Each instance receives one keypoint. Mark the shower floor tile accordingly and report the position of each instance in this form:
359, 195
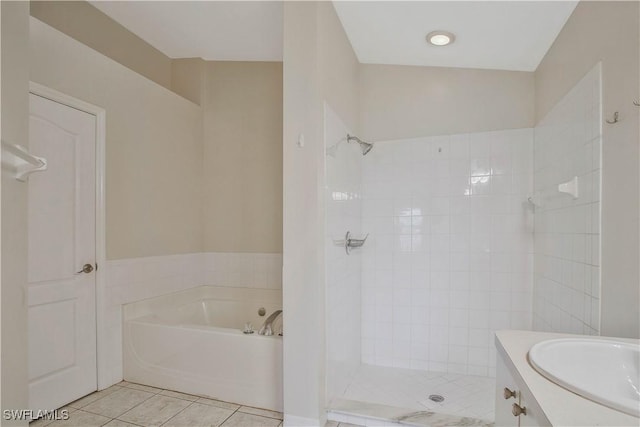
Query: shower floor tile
464, 395
135, 405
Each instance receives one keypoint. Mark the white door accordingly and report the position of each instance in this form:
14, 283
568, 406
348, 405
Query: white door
62, 230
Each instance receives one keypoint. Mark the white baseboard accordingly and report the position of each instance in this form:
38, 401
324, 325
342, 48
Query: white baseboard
296, 421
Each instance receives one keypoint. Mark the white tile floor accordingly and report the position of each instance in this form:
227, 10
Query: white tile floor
133, 405
336, 424
465, 395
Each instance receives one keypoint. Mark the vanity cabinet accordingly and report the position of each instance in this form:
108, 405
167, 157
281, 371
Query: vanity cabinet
504, 383
535, 416
515, 405
545, 403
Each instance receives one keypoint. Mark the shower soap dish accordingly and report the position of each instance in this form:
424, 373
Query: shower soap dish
570, 187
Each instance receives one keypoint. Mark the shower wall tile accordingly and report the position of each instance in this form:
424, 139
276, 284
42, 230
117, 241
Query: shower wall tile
449, 257
568, 143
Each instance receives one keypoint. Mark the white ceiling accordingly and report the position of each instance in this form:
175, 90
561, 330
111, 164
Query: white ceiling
506, 35
212, 30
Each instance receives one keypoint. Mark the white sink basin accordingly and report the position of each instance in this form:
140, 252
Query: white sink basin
607, 372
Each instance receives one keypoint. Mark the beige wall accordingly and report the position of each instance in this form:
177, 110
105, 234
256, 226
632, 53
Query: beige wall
577, 49
243, 125
15, 128
319, 66
188, 78
242, 195
338, 67
85, 23
154, 146
407, 101
173, 168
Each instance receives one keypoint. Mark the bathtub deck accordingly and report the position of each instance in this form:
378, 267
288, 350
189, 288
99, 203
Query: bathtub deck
134, 405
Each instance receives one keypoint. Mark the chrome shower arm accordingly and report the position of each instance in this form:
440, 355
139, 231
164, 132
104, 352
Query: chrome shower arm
355, 138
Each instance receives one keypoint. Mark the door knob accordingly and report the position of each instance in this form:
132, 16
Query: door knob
87, 268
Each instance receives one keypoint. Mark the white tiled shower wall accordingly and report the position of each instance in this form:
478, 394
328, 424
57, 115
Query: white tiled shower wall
134, 279
568, 143
343, 292
449, 259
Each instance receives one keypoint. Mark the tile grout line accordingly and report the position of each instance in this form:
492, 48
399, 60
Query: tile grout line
128, 422
91, 413
179, 412
97, 391
227, 419
152, 394
264, 416
100, 398
158, 392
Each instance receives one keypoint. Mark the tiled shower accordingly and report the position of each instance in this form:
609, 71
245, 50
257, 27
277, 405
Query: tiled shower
450, 258
467, 234
567, 229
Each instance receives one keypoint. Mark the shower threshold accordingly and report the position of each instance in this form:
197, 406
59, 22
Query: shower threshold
376, 415
400, 396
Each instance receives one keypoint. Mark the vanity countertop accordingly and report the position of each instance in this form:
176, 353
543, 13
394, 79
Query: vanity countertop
560, 406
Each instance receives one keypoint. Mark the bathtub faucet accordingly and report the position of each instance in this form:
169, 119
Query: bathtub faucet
266, 327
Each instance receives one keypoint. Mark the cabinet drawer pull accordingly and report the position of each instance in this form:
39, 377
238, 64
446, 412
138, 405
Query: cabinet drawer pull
518, 410
508, 394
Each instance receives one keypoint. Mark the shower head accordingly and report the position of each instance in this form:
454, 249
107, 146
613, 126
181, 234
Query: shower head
364, 146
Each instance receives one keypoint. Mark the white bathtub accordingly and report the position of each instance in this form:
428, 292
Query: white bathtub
192, 341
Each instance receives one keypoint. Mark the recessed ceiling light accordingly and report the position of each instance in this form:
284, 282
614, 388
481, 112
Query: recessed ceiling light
440, 38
